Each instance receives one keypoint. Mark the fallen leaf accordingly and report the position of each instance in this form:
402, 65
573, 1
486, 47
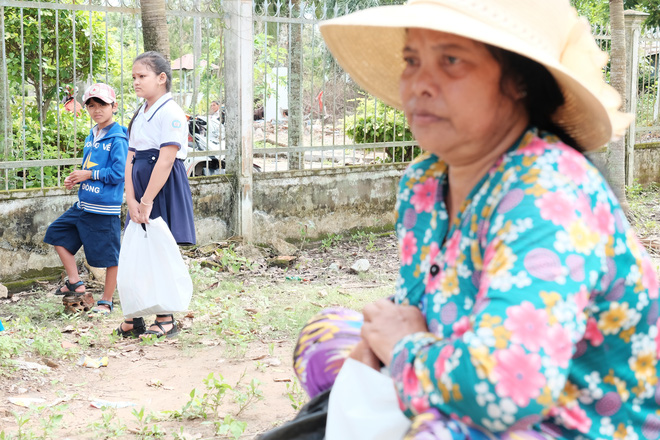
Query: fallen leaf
25, 402
285, 379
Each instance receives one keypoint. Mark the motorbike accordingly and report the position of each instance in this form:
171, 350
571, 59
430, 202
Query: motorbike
206, 134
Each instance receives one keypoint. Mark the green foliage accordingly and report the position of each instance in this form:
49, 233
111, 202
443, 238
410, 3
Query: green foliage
230, 426
231, 261
145, 429
597, 11
330, 241
29, 30
296, 394
268, 56
377, 122
36, 139
245, 398
110, 426
203, 406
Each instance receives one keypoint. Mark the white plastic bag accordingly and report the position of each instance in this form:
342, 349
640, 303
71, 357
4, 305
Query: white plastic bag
363, 406
152, 277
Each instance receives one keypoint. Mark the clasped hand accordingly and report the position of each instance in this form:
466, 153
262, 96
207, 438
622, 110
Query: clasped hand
76, 177
385, 324
139, 212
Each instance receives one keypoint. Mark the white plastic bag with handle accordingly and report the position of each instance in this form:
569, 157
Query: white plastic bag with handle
364, 406
152, 277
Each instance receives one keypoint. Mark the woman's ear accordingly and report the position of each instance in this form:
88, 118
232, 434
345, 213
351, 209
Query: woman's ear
162, 78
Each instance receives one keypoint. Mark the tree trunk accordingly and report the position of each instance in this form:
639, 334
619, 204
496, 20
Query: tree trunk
616, 160
154, 27
295, 90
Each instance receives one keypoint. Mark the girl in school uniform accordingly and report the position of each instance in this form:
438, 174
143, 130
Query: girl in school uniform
156, 180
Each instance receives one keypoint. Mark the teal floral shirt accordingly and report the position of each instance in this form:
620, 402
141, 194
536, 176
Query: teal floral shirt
541, 304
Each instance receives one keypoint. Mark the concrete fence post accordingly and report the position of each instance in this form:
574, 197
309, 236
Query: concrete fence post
239, 42
633, 20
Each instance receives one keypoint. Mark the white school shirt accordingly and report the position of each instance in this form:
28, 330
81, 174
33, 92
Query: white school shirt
164, 123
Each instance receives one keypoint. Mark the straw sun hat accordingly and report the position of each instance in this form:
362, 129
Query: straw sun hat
368, 44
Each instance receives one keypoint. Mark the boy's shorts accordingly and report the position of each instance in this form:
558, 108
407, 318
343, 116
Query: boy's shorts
99, 234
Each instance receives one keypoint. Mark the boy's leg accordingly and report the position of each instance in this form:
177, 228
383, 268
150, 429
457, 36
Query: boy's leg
71, 268
110, 286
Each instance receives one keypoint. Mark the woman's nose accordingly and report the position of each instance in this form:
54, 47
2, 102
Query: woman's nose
425, 82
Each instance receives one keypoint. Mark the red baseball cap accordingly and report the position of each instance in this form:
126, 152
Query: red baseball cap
101, 91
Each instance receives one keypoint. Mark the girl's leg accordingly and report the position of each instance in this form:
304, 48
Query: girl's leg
323, 345
71, 268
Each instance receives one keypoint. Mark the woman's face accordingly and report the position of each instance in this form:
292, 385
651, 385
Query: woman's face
146, 83
452, 97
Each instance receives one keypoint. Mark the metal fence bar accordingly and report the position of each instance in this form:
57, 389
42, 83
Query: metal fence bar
341, 125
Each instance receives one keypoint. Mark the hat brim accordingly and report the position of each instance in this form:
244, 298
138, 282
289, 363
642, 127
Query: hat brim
368, 44
102, 98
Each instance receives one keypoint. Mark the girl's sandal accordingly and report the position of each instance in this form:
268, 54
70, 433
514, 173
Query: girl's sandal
162, 332
71, 289
136, 331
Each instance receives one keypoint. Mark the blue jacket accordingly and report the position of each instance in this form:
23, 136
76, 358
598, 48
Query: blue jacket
104, 192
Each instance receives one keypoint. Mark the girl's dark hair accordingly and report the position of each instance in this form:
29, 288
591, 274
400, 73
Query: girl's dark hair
157, 63
542, 93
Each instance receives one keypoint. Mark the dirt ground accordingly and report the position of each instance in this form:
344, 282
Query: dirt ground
241, 328
160, 377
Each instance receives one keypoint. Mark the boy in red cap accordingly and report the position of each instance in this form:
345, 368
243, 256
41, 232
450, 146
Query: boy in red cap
94, 220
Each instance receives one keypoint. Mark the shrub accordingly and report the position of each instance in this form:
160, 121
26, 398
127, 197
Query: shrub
376, 122
35, 141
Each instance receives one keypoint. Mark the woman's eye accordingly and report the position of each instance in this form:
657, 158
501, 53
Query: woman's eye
410, 61
451, 60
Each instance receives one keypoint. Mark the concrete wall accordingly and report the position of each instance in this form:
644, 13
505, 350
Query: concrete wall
647, 162
291, 205
321, 201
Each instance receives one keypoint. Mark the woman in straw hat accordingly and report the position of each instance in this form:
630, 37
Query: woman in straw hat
525, 306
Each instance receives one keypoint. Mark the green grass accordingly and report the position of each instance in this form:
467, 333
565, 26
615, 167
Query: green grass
226, 309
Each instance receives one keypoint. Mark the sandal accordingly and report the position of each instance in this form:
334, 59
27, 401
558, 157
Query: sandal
72, 289
160, 333
99, 310
137, 330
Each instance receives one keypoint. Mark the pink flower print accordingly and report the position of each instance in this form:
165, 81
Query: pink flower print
419, 404
410, 381
518, 375
571, 166
439, 364
649, 278
453, 248
556, 207
425, 195
575, 418
558, 346
528, 326
408, 248
581, 299
534, 148
434, 250
592, 333
657, 339
603, 219
461, 326
583, 207
432, 282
